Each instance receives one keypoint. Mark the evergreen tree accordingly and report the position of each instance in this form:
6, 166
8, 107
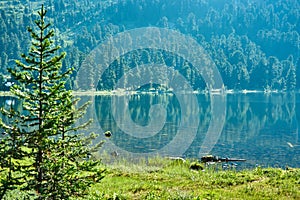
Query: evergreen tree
41, 151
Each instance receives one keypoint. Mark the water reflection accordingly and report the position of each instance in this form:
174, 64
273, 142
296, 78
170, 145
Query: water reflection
260, 128
164, 124
130, 118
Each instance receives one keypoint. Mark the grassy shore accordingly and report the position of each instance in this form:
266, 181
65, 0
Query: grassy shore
168, 179
161, 178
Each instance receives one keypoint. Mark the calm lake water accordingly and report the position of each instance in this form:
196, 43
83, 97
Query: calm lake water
261, 128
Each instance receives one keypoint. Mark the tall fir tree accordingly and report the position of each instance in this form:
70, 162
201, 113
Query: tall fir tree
41, 151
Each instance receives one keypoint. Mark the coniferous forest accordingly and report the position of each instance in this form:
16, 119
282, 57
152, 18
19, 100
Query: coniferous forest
254, 44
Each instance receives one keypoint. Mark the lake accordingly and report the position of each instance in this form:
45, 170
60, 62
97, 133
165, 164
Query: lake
261, 128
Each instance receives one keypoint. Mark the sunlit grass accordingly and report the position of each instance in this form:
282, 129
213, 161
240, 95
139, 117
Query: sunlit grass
160, 178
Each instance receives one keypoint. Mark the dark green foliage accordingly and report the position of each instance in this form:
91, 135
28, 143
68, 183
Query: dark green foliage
42, 151
258, 31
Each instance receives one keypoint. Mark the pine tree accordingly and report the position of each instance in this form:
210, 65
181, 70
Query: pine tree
42, 151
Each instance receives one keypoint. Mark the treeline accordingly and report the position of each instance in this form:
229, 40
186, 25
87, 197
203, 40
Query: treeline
255, 44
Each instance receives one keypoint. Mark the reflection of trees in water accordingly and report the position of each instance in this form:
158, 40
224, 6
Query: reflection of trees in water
258, 115
258, 128
247, 115
257, 125
139, 107
259, 119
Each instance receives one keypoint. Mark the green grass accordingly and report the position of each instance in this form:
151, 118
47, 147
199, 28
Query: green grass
167, 179
161, 178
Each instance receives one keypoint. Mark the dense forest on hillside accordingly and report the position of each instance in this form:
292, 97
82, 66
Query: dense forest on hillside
254, 44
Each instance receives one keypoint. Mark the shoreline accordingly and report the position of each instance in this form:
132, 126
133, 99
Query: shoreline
132, 92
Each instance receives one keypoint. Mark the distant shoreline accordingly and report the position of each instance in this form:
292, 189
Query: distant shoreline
129, 92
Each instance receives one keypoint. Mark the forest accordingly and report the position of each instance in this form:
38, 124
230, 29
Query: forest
254, 44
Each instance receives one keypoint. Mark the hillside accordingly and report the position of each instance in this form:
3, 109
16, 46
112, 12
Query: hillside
254, 44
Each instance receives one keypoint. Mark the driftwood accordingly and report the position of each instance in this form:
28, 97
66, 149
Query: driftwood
211, 158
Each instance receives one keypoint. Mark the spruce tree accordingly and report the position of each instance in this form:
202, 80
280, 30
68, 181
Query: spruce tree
42, 151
